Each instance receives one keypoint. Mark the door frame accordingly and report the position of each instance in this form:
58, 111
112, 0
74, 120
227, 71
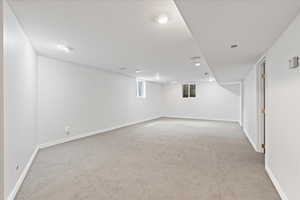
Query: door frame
261, 104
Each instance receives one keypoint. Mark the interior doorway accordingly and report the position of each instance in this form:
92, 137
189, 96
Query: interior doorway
261, 70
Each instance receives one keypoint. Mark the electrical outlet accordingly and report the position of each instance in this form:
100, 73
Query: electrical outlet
67, 130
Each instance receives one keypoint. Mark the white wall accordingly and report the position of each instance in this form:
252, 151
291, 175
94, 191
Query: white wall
88, 99
212, 102
250, 118
1, 108
283, 111
20, 84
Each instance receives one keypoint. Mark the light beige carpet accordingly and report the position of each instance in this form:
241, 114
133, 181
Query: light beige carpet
166, 159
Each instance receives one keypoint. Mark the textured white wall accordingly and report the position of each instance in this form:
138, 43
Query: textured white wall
20, 72
283, 111
88, 99
250, 118
212, 102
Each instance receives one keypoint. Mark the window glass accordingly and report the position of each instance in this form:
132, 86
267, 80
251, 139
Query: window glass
193, 90
185, 91
141, 88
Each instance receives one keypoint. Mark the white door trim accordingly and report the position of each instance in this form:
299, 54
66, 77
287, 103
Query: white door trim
261, 104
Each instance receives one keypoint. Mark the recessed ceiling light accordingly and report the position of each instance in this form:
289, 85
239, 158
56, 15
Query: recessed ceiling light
138, 71
195, 58
162, 19
64, 48
234, 46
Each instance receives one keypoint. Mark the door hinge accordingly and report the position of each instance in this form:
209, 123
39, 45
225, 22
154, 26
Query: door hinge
263, 76
263, 146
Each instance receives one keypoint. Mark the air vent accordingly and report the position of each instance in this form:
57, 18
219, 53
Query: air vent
234, 46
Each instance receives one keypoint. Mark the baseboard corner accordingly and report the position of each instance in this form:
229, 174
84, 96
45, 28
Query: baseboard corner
250, 140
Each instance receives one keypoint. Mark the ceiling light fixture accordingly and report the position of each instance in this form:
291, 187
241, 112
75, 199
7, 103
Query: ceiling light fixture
211, 79
157, 76
162, 19
138, 71
64, 48
195, 58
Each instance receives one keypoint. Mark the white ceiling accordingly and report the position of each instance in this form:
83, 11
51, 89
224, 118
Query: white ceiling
111, 34
252, 24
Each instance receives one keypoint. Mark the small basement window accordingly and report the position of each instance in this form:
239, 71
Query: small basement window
141, 88
188, 90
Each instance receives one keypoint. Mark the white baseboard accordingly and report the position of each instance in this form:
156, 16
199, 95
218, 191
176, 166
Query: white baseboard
276, 183
23, 175
200, 118
79, 136
61, 141
250, 140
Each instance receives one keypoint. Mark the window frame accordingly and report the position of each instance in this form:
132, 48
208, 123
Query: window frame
140, 88
190, 90
186, 91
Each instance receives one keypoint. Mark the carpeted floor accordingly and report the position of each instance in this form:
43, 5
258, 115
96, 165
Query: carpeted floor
165, 159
